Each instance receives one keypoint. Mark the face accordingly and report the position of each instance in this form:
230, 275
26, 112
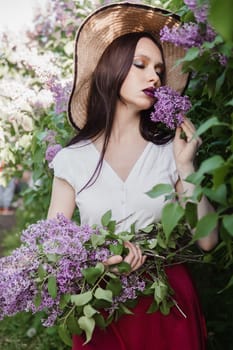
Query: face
144, 76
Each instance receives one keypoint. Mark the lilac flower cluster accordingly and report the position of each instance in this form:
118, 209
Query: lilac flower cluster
187, 35
200, 10
170, 107
51, 151
53, 249
55, 246
61, 91
50, 137
131, 285
66, 15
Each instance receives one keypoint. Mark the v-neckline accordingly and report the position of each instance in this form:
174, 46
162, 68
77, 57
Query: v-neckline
131, 170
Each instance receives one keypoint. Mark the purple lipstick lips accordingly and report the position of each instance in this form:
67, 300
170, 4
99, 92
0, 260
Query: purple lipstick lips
149, 92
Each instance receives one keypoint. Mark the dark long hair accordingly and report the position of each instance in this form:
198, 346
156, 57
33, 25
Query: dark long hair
104, 92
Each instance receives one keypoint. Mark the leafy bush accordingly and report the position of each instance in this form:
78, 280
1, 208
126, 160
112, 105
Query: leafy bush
35, 81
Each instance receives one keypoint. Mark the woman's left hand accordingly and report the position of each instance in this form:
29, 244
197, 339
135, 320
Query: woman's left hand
185, 150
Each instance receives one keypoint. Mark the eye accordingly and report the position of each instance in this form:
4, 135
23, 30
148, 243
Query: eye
139, 63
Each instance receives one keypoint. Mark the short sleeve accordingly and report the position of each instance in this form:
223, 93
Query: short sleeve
62, 166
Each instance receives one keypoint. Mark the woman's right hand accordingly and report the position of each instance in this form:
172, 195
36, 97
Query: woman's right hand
134, 258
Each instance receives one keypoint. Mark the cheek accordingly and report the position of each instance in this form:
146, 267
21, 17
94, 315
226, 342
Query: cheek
124, 90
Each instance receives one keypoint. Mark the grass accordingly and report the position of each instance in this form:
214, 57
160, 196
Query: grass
25, 332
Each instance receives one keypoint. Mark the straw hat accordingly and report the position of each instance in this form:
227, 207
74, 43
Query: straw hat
98, 31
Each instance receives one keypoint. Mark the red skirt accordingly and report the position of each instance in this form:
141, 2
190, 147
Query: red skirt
142, 331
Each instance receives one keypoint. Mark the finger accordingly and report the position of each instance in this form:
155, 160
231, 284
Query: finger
113, 260
190, 133
135, 255
140, 263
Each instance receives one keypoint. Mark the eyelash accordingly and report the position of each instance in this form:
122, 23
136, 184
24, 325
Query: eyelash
142, 66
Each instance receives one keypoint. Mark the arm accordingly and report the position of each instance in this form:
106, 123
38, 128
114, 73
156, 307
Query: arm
62, 199
184, 152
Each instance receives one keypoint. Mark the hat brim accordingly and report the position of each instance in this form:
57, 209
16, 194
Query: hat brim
100, 29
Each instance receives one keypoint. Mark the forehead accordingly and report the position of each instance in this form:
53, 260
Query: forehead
147, 47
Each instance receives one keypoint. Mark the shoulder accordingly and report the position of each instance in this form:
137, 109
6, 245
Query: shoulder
75, 151
69, 163
165, 150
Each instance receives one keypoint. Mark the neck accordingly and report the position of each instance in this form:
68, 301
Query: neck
125, 125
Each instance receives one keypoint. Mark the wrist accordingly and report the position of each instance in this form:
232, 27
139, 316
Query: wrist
185, 170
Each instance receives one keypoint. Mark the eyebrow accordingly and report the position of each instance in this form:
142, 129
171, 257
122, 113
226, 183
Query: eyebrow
159, 64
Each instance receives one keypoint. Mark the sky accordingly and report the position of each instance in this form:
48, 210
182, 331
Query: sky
16, 14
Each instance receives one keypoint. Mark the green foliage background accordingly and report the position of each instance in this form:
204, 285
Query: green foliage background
211, 92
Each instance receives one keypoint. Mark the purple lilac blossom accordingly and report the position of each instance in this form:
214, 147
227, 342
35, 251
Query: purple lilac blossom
200, 11
51, 151
61, 91
58, 237
62, 249
223, 60
131, 285
50, 137
170, 107
187, 35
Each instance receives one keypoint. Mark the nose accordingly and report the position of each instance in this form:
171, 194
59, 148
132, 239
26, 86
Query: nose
153, 77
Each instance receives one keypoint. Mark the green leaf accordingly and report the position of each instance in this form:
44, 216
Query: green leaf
100, 321
64, 300
103, 294
207, 125
228, 223
52, 286
97, 240
101, 304
52, 257
81, 299
116, 249
160, 290
92, 274
115, 286
125, 236
153, 243
191, 213
229, 103
88, 325
72, 325
207, 166
89, 311
123, 267
219, 175
220, 17
65, 335
41, 272
159, 190
148, 228
171, 215
112, 226
153, 307
211, 164
125, 309
106, 218
220, 81
165, 307
205, 226
191, 54
37, 299
218, 195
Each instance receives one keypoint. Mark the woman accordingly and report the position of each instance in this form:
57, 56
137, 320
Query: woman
118, 155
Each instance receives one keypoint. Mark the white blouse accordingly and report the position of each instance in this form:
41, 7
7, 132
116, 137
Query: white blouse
127, 199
